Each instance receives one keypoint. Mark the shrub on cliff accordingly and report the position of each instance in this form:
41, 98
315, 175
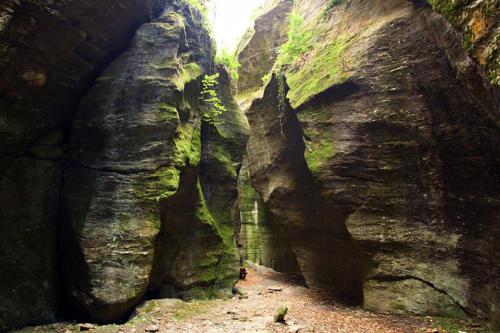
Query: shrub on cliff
209, 97
299, 41
230, 61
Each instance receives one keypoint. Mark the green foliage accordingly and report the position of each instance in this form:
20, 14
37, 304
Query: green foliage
210, 97
198, 6
327, 12
230, 61
299, 41
279, 317
266, 78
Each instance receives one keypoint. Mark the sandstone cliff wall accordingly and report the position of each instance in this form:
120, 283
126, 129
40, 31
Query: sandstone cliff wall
382, 161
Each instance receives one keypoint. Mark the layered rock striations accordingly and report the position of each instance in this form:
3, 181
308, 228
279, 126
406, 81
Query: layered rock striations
384, 169
139, 209
49, 54
479, 24
327, 258
197, 252
371, 168
258, 49
137, 212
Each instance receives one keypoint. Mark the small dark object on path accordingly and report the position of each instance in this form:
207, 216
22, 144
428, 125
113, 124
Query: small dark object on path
86, 327
243, 273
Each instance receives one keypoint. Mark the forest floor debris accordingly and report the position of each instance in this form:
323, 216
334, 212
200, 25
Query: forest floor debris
308, 311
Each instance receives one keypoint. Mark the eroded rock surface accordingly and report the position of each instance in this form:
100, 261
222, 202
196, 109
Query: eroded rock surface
390, 172
259, 47
49, 54
260, 239
326, 256
479, 24
136, 218
374, 176
133, 133
197, 252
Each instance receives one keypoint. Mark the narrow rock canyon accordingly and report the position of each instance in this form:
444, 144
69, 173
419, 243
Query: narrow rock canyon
351, 147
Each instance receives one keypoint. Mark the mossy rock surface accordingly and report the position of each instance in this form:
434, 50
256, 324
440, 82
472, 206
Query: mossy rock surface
478, 23
258, 48
135, 133
374, 153
50, 53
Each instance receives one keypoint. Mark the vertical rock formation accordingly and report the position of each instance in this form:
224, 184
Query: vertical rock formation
259, 47
133, 133
261, 240
197, 253
386, 179
377, 170
49, 54
135, 215
327, 258
136, 210
479, 23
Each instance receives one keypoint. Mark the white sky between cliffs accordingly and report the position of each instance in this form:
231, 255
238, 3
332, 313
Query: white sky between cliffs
230, 19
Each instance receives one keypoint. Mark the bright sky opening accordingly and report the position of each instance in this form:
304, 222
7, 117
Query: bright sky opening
230, 20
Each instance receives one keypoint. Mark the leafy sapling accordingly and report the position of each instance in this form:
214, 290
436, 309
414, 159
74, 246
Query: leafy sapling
215, 109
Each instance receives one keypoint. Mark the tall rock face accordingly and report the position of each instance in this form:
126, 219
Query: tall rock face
327, 257
49, 54
197, 252
383, 163
135, 216
479, 24
258, 48
259, 238
126, 182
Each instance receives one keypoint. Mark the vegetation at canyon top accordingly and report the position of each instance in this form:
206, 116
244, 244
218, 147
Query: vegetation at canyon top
230, 61
299, 41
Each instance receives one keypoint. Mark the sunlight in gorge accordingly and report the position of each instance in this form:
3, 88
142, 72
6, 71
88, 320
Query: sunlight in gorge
230, 19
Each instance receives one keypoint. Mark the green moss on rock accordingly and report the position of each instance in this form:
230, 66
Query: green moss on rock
450, 9
478, 21
324, 68
187, 146
187, 73
168, 113
318, 153
161, 184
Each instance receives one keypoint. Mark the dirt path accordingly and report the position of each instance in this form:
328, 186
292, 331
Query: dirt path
306, 311
253, 311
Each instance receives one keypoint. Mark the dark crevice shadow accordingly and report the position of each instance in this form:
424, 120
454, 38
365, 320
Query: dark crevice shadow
329, 260
331, 95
